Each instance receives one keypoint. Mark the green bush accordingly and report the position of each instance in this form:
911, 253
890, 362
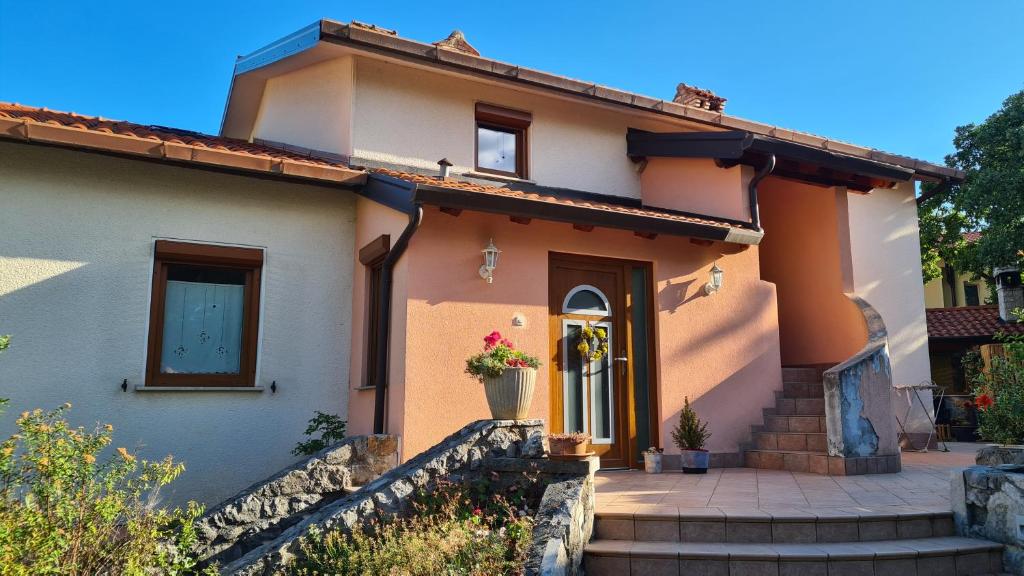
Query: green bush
65, 512
999, 396
690, 433
455, 529
331, 429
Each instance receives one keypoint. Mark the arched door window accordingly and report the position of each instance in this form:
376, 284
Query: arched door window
586, 300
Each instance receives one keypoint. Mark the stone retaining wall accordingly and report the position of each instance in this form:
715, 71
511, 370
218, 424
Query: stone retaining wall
988, 503
461, 456
564, 520
261, 512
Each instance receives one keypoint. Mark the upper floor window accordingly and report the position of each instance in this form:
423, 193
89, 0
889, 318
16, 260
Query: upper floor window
971, 295
501, 140
204, 317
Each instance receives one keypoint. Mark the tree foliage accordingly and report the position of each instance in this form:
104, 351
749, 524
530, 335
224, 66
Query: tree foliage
989, 200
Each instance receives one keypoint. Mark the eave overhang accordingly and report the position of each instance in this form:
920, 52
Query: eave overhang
794, 160
404, 196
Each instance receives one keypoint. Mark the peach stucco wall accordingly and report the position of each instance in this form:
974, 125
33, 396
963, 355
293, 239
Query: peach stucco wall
696, 185
721, 351
372, 220
805, 252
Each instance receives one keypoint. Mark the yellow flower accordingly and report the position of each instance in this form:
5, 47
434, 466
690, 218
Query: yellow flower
43, 462
124, 454
89, 458
108, 428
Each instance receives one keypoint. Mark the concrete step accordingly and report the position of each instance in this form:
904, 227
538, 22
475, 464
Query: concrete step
710, 525
923, 557
820, 462
802, 374
788, 423
799, 441
799, 406
803, 389
790, 460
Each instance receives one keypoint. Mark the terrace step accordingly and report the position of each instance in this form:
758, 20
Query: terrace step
792, 389
928, 556
794, 441
820, 462
803, 374
710, 525
799, 406
789, 423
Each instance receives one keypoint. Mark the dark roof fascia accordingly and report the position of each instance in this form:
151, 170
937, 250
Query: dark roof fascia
738, 145
394, 193
525, 208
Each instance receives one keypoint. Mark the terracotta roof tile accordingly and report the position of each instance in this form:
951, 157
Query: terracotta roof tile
968, 322
155, 133
550, 198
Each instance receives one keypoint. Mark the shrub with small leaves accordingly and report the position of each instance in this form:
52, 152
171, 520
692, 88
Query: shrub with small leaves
690, 433
64, 509
331, 429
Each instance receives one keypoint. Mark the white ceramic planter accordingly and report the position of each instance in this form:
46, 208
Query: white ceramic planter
509, 395
652, 463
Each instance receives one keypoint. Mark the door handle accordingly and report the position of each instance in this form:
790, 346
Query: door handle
621, 359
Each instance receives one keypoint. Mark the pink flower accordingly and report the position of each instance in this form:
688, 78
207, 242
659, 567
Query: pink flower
491, 340
478, 512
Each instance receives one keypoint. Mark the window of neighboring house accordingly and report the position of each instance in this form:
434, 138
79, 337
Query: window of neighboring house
372, 257
501, 140
971, 297
204, 317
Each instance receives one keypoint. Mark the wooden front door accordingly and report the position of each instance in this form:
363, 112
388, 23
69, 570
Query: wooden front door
597, 397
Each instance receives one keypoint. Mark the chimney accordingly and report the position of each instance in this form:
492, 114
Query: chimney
1009, 292
444, 165
699, 98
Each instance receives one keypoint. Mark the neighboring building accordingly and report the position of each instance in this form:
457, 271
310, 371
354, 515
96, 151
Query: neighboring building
956, 288
607, 207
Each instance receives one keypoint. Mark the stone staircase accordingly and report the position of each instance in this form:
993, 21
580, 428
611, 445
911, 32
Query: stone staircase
793, 436
715, 542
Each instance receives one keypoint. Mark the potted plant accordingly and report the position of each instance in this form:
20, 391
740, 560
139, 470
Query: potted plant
652, 460
690, 435
571, 444
508, 376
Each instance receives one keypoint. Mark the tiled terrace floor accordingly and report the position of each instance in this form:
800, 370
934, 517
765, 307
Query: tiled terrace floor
923, 484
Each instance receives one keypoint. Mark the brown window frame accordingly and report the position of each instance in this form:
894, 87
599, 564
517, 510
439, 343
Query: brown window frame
503, 120
248, 260
372, 257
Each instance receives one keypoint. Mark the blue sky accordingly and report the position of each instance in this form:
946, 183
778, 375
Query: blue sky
896, 75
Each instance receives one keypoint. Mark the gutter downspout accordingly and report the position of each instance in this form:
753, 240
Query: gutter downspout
762, 173
384, 324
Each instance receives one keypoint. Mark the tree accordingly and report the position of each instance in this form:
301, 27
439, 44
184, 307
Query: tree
989, 200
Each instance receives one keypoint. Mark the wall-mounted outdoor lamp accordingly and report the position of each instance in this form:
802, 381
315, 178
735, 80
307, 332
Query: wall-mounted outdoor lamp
490, 262
716, 281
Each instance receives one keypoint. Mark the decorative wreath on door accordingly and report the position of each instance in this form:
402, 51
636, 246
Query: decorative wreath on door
593, 343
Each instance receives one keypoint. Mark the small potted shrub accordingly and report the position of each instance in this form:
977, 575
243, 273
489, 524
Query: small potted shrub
571, 444
690, 435
508, 376
652, 460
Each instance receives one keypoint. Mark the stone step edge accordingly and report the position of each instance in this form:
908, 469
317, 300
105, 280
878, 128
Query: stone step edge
881, 549
809, 452
725, 515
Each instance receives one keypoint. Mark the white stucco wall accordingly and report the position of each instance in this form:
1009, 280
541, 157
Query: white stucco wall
76, 256
886, 259
310, 107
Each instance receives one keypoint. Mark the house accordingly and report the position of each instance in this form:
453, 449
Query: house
339, 223
956, 288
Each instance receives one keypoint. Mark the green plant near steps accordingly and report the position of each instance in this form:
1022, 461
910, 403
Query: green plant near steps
690, 433
331, 429
65, 511
456, 529
999, 395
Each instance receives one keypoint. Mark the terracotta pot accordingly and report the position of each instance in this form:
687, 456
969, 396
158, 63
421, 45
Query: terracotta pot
509, 395
578, 449
652, 463
696, 461
558, 445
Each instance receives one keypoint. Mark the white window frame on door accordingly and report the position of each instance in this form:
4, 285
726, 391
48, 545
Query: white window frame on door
589, 415
606, 313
